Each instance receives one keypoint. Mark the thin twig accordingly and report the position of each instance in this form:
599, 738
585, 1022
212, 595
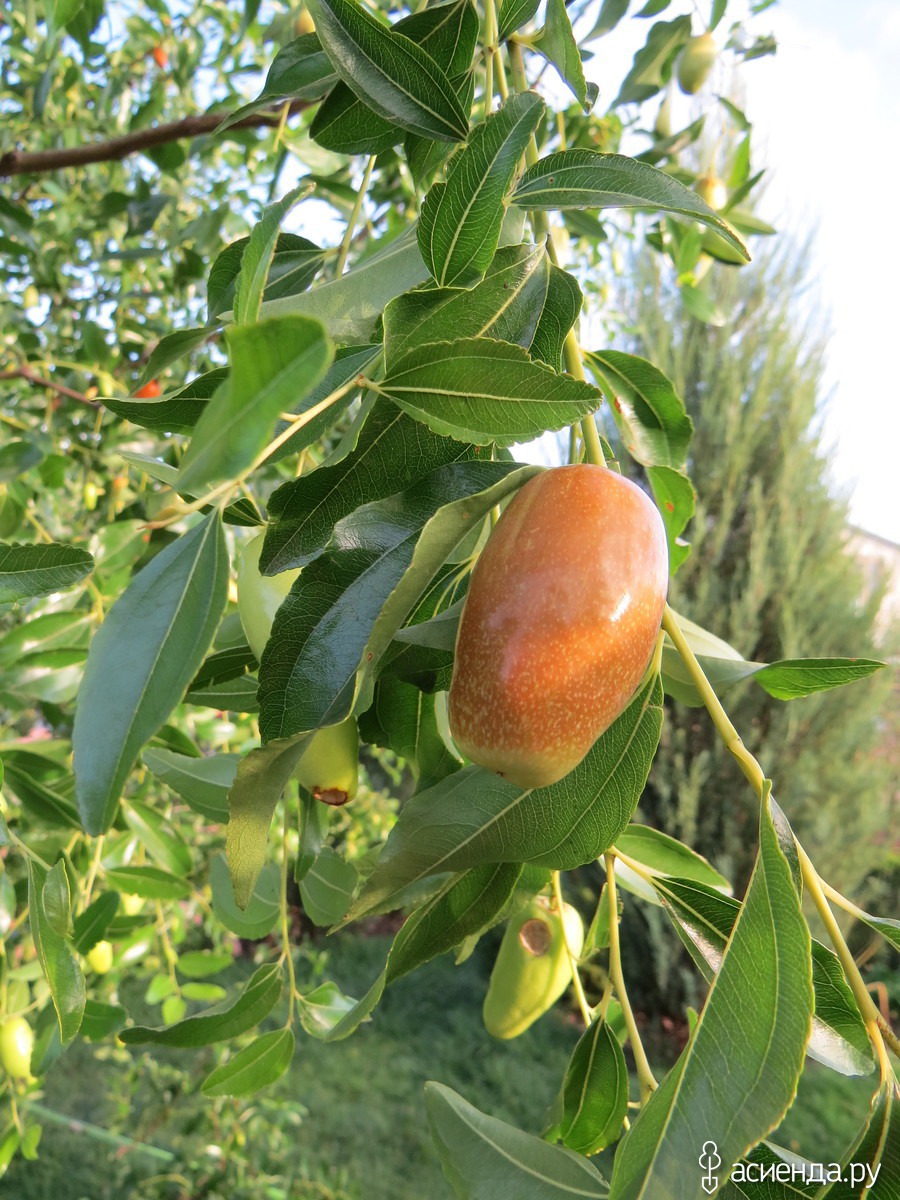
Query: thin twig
40, 381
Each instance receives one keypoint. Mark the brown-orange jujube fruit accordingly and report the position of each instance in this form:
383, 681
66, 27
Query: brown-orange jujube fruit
559, 624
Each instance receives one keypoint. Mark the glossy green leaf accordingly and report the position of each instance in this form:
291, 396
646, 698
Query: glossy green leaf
403, 719
256, 1001
58, 963
674, 495
172, 347
294, 265
482, 390
652, 66
313, 830
459, 226
56, 901
256, 1066
261, 912
394, 76
162, 842
345, 124
561, 306
513, 14
322, 1009
323, 629
258, 255
171, 412
393, 452
90, 925
153, 883
876, 1151
327, 887
475, 817
42, 799
791, 678
236, 695
140, 661
655, 427
588, 179
486, 1159
556, 42
102, 1020
661, 854
273, 365
753, 1050
300, 70
595, 1091
40, 568
202, 783
507, 304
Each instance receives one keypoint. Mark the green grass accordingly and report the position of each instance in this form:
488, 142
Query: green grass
346, 1123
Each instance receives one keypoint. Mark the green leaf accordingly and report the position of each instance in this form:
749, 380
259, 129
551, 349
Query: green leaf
674, 495
790, 678
236, 695
345, 124
611, 13
101, 1020
750, 1039
40, 568
556, 42
403, 719
256, 1001
16, 457
652, 66
202, 783
294, 265
58, 963
141, 659
301, 70
393, 452
172, 347
262, 909
253, 1068
273, 365
43, 800
199, 964
588, 179
389, 72
327, 887
486, 1159
513, 14
507, 304
661, 854
322, 1009
876, 1149
152, 883
313, 831
559, 312
475, 817
322, 631
482, 390
595, 1091
171, 412
459, 226
56, 900
92, 924
162, 843
655, 427
258, 255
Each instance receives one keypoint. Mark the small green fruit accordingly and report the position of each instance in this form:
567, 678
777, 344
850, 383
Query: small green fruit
100, 958
712, 190
329, 768
16, 1045
696, 63
532, 969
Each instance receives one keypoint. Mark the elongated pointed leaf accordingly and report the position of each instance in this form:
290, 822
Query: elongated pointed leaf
393, 452
513, 14
37, 569
595, 1091
394, 76
651, 417
482, 390
403, 719
58, 963
675, 497
327, 887
664, 855
556, 42
750, 1039
202, 783
258, 254
876, 1151
791, 678
588, 179
255, 1002
274, 364
475, 817
295, 263
141, 660
486, 1159
260, 914
172, 412
459, 226
300, 70
92, 924
561, 305
253, 1068
653, 63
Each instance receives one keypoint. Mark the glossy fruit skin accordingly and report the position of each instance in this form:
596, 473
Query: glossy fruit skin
559, 624
329, 767
713, 190
100, 958
532, 969
16, 1045
149, 391
696, 62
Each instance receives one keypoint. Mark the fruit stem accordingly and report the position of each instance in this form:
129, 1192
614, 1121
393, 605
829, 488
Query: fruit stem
586, 1012
645, 1075
354, 218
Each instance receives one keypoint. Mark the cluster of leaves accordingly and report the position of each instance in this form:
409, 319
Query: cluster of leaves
415, 371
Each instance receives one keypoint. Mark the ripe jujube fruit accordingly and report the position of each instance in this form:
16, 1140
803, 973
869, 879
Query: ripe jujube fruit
329, 766
532, 969
149, 391
560, 623
16, 1045
696, 62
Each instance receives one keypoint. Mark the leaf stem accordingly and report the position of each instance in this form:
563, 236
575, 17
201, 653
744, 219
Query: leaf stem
92, 871
586, 1012
354, 218
646, 1078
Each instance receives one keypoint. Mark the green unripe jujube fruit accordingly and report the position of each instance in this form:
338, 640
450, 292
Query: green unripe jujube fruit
532, 969
16, 1045
696, 62
329, 767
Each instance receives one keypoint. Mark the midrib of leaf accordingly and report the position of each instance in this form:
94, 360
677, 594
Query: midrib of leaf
210, 526
528, 1170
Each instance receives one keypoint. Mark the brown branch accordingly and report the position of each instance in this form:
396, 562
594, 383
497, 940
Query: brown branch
23, 162
39, 381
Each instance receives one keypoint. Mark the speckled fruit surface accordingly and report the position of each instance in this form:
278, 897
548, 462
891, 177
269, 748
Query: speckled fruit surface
559, 625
